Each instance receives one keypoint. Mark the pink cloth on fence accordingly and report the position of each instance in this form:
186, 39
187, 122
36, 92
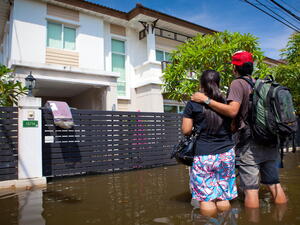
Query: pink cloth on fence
61, 112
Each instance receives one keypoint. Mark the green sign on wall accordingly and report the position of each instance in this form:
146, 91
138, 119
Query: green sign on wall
30, 123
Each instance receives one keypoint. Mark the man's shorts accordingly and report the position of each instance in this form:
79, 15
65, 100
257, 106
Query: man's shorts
258, 164
212, 177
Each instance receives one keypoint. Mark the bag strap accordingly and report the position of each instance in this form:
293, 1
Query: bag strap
198, 131
269, 78
249, 81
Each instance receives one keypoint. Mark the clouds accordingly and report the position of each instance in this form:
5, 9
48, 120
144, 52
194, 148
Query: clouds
239, 17
274, 42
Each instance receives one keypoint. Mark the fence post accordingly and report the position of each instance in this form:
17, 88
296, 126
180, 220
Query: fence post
30, 143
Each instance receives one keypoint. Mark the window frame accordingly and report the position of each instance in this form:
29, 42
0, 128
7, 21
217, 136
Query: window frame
164, 54
63, 25
122, 39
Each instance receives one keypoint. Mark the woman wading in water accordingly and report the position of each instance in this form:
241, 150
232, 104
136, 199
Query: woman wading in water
212, 176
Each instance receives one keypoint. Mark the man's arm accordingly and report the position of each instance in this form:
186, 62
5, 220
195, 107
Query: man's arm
230, 110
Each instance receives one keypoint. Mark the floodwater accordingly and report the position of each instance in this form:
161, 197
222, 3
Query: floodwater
150, 196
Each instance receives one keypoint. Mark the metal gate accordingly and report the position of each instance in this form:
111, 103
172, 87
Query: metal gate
8, 143
108, 141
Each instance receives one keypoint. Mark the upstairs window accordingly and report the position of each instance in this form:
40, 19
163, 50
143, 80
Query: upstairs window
60, 36
162, 56
118, 64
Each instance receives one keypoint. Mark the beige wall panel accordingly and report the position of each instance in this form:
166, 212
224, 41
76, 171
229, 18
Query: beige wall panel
62, 57
115, 29
53, 10
123, 105
167, 42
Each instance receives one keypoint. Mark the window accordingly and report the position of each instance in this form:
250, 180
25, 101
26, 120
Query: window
162, 56
173, 108
118, 64
60, 36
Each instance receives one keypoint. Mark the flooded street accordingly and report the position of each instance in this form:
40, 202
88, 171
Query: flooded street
151, 196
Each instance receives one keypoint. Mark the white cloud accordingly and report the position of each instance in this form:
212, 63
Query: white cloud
276, 41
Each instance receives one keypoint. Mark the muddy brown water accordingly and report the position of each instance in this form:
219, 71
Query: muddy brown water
150, 196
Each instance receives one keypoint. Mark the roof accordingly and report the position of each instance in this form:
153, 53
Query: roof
274, 61
138, 10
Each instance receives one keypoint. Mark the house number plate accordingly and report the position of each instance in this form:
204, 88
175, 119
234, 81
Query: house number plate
30, 123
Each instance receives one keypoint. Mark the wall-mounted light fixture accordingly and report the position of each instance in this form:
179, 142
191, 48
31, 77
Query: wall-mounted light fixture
30, 83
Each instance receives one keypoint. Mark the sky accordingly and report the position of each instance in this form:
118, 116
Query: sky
220, 15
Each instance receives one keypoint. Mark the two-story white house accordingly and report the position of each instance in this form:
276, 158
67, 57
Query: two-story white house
91, 56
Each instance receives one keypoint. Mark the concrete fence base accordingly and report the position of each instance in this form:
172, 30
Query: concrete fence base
23, 184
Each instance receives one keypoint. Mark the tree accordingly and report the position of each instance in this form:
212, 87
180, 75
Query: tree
289, 74
292, 51
10, 89
181, 77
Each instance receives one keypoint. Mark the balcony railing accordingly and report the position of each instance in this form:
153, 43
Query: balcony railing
160, 32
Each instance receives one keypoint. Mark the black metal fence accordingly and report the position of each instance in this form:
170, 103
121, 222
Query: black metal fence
108, 141
8, 143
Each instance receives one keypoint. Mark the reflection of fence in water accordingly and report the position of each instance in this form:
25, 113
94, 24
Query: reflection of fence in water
107, 141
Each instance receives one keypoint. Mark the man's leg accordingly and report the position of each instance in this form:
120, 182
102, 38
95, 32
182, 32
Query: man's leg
249, 183
251, 198
277, 193
248, 171
270, 177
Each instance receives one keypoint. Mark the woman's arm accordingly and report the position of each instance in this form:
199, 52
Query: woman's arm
187, 126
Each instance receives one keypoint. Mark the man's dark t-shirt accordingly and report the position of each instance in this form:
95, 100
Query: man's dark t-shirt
208, 144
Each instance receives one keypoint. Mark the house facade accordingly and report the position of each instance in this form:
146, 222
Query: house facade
91, 56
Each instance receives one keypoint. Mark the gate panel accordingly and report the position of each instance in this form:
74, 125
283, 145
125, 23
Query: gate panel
8, 143
108, 141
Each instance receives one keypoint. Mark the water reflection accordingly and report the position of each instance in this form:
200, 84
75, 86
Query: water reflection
226, 217
31, 208
153, 196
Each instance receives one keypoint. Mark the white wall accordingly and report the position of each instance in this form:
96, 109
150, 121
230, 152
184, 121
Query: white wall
137, 49
90, 42
137, 55
149, 98
29, 31
107, 46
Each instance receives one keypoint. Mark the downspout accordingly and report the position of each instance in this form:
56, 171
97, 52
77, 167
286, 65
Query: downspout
10, 30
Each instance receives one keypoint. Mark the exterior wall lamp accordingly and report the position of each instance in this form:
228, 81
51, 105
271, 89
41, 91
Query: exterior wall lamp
30, 83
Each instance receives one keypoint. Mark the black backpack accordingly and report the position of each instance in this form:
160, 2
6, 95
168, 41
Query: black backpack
271, 111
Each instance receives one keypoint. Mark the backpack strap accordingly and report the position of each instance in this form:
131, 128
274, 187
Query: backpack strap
269, 78
249, 81
252, 85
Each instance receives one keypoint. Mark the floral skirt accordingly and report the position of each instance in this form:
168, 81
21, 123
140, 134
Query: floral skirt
212, 177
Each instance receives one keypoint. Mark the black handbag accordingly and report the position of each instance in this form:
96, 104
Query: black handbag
184, 151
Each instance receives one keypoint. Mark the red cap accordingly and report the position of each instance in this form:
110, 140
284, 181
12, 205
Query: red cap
241, 57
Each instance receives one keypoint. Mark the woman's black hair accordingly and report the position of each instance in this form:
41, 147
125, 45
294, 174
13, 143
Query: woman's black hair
245, 70
210, 81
